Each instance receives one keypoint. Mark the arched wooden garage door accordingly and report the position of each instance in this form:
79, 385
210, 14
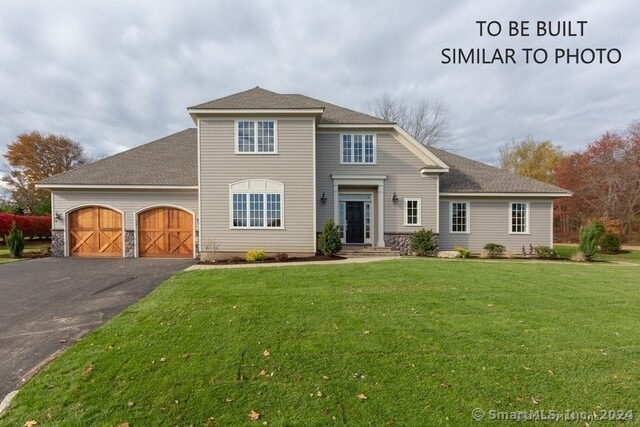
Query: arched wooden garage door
165, 232
95, 231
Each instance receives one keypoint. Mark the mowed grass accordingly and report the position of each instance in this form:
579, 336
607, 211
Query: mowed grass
424, 340
567, 251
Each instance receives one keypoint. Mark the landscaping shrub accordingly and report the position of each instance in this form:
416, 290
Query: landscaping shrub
15, 241
32, 226
589, 236
423, 243
494, 250
254, 255
464, 253
281, 257
609, 242
329, 239
545, 252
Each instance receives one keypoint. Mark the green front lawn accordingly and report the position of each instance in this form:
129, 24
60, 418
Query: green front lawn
403, 342
566, 251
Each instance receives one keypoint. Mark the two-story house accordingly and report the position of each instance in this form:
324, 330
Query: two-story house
264, 170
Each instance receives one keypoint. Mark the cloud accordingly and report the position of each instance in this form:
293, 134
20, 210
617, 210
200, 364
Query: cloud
116, 74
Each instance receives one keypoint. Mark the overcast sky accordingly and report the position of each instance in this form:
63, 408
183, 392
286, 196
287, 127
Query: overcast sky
116, 74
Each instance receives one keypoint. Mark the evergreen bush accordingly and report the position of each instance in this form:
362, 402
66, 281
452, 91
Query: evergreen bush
329, 239
254, 255
464, 253
545, 252
589, 236
15, 241
494, 250
423, 243
609, 242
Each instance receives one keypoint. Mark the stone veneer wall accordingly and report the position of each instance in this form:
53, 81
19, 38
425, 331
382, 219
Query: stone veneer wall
129, 244
402, 242
57, 243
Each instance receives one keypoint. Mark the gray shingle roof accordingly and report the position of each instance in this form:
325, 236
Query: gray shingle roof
468, 176
262, 99
172, 161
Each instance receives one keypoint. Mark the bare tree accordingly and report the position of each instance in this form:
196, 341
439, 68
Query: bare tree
426, 121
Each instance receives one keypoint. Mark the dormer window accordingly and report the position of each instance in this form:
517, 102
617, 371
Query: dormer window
358, 148
256, 137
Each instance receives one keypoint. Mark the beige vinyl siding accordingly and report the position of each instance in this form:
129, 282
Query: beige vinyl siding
402, 169
128, 202
489, 222
292, 166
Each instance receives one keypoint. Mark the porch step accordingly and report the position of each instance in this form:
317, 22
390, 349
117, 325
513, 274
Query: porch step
366, 251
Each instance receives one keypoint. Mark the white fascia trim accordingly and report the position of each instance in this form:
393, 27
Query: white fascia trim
115, 187
418, 149
433, 170
193, 112
376, 177
356, 126
526, 195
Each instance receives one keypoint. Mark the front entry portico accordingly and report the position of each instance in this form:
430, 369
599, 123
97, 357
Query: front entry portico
359, 208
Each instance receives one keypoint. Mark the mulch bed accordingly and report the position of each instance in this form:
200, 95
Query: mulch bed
271, 260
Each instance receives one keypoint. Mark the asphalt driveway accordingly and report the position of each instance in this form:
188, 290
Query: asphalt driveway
47, 304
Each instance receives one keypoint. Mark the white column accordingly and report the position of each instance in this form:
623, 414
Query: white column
380, 212
336, 203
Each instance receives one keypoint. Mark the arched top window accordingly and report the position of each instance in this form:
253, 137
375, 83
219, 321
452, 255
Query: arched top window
256, 203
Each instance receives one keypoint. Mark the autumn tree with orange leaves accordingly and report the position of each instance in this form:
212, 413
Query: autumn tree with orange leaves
34, 156
605, 181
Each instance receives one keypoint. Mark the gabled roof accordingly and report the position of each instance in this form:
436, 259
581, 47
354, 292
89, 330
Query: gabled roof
468, 176
170, 161
262, 99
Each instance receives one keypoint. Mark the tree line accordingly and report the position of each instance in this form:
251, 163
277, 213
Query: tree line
604, 178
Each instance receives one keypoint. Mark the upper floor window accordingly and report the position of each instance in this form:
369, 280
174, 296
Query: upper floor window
358, 148
256, 136
519, 217
412, 212
459, 217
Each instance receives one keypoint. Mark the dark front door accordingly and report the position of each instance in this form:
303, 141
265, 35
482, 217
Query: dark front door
355, 222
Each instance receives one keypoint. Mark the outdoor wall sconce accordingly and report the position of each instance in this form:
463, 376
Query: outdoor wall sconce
394, 199
58, 216
323, 198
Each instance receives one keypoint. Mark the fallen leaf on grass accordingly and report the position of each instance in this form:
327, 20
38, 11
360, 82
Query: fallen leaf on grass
445, 385
366, 332
186, 356
263, 373
534, 400
254, 416
130, 403
88, 369
30, 423
298, 377
325, 377
362, 397
163, 359
319, 393
266, 353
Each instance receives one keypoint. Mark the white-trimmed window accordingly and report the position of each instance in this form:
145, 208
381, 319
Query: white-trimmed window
257, 203
519, 218
459, 214
256, 137
412, 210
358, 148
